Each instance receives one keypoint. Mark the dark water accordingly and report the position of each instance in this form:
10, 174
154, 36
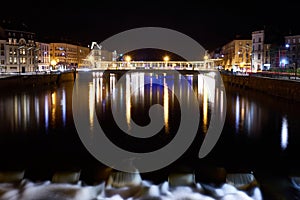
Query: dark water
37, 129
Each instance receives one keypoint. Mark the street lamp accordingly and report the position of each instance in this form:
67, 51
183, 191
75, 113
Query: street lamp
53, 63
128, 59
166, 59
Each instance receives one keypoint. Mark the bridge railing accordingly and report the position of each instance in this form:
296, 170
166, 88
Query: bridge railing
184, 65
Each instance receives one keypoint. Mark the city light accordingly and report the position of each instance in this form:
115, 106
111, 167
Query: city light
128, 58
166, 58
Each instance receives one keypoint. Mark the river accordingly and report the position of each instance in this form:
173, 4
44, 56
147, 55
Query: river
38, 133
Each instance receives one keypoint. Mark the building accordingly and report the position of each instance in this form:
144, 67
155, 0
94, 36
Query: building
292, 45
82, 54
99, 57
261, 59
18, 48
2, 56
43, 53
68, 56
236, 55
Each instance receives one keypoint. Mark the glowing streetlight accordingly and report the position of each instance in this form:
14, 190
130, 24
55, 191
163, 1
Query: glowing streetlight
53, 63
166, 58
128, 58
205, 60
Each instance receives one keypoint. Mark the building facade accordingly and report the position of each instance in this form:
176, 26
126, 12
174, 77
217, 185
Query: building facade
261, 51
82, 54
236, 55
68, 56
20, 52
292, 45
18, 48
99, 57
43, 53
2, 56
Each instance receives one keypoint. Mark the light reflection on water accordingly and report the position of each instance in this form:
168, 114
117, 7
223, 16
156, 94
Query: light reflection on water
30, 111
284, 133
138, 101
257, 125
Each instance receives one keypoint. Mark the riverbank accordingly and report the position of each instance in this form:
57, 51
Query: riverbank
283, 88
32, 80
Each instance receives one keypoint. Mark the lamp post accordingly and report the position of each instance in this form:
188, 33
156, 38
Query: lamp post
166, 59
205, 59
53, 63
128, 59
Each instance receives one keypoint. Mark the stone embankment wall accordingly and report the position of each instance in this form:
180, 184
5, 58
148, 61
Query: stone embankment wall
289, 89
35, 80
66, 76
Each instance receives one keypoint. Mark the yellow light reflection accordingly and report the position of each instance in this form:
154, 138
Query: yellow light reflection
53, 108
128, 102
91, 104
53, 98
112, 81
200, 84
166, 106
101, 87
205, 107
151, 83
97, 85
242, 114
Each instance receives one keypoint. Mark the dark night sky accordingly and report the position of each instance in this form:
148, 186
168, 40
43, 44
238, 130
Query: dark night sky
210, 24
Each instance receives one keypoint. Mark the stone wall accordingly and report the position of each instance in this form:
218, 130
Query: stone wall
35, 80
289, 89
